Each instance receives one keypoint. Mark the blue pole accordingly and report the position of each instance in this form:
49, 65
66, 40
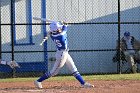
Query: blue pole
43, 15
29, 16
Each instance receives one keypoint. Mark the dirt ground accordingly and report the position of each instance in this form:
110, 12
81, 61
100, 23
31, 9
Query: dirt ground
119, 86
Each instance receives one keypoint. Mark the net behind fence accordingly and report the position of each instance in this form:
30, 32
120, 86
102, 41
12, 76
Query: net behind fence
94, 26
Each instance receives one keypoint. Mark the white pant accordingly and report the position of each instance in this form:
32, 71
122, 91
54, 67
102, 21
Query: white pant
63, 57
130, 59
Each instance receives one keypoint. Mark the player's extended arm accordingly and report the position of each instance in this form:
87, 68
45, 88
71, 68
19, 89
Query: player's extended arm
12, 64
45, 38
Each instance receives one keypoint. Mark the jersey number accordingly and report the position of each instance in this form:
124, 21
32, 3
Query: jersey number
57, 42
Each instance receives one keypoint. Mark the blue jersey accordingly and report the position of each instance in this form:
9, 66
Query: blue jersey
60, 39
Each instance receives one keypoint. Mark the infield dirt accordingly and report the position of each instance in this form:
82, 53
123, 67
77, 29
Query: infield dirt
101, 86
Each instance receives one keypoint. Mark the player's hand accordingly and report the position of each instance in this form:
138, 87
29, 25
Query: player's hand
46, 38
63, 23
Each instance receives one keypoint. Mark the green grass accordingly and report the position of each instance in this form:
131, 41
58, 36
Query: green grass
114, 77
86, 77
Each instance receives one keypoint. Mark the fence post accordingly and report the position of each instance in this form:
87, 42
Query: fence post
12, 32
119, 24
0, 35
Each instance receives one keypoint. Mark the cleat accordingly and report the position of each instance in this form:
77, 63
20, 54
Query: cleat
38, 84
87, 85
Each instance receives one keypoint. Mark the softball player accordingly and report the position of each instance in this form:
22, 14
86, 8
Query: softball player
12, 64
129, 42
59, 36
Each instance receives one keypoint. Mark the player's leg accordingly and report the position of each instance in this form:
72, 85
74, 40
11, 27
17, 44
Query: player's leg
12, 64
133, 64
70, 64
130, 60
61, 57
3, 62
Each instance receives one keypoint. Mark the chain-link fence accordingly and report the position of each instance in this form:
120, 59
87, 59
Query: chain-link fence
94, 28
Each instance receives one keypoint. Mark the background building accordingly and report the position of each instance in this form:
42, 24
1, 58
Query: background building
93, 31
